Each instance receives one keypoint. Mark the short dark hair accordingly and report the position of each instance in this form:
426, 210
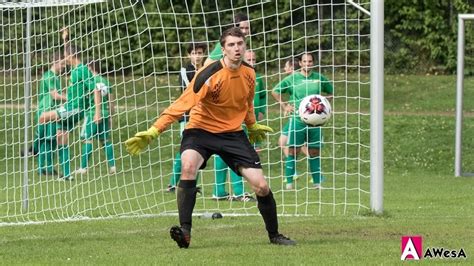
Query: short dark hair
239, 17
235, 32
308, 53
71, 49
293, 62
197, 45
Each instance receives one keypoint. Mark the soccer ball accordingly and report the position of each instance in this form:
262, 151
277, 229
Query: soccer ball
314, 110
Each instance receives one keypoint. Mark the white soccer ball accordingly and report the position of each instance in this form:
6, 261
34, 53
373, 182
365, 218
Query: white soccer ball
104, 90
314, 110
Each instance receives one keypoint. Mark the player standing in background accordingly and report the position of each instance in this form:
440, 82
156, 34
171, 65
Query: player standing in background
98, 121
81, 86
299, 85
220, 98
49, 97
196, 53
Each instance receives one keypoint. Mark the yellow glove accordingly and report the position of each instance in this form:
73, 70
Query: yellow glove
257, 132
137, 143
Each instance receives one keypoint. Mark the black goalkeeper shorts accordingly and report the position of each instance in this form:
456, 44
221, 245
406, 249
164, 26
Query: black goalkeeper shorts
233, 147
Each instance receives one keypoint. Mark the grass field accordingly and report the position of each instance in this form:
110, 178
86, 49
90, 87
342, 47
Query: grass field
421, 197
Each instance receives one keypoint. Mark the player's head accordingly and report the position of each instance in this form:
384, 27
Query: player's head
196, 51
94, 66
250, 58
72, 54
233, 44
242, 22
290, 65
306, 62
57, 62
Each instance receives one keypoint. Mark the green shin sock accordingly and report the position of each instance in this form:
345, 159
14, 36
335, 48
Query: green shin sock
290, 168
85, 154
220, 171
315, 167
176, 170
64, 161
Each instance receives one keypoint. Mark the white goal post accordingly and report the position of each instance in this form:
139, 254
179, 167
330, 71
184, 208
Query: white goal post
458, 171
141, 47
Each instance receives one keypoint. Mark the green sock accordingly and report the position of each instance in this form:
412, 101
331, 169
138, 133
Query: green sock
42, 157
176, 170
64, 160
50, 151
109, 152
237, 184
290, 168
315, 167
220, 171
85, 154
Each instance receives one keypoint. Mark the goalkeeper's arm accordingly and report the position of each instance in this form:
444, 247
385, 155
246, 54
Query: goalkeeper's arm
184, 103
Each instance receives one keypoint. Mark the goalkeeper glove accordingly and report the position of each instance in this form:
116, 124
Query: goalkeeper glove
257, 132
137, 143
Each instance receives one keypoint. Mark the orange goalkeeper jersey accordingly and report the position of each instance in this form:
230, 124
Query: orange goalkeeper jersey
219, 98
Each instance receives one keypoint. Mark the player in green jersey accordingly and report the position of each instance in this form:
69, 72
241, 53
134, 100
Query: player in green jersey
81, 85
196, 51
299, 85
49, 97
98, 121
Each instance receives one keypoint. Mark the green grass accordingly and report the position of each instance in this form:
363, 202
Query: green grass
421, 195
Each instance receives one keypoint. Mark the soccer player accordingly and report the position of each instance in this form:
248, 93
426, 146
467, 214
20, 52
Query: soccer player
98, 121
291, 65
220, 98
242, 22
298, 85
196, 57
67, 116
220, 168
49, 98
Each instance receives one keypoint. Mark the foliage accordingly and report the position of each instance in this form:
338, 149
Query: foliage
149, 37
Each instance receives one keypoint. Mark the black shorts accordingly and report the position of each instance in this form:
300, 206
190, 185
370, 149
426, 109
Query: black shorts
233, 147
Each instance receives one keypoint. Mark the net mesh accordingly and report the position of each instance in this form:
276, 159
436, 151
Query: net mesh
141, 47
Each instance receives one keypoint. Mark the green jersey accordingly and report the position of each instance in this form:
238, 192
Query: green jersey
260, 98
103, 86
299, 86
216, 54
80, 88
49, 82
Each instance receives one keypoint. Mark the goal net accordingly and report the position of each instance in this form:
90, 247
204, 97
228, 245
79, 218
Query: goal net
140, 47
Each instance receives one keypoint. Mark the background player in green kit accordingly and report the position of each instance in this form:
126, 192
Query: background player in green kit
49, 97
78, 94
298, 85
98, 121
196, 53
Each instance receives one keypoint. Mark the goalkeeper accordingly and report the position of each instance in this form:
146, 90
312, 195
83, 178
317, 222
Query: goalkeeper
220, 98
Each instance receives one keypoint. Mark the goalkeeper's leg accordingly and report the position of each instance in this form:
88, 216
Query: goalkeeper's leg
191, 160
266, 205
